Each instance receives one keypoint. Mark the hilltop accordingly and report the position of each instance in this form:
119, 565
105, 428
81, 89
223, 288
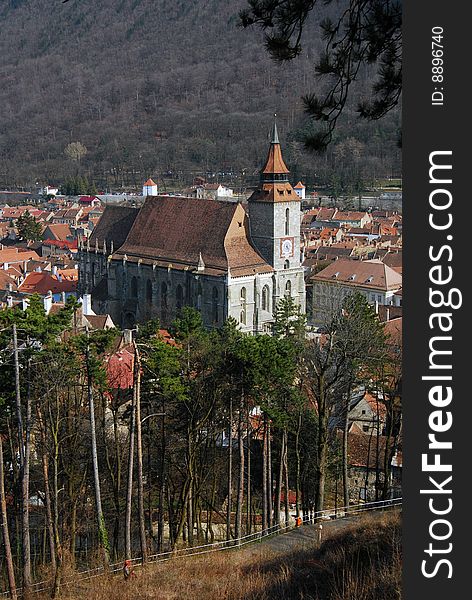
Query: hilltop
153, 87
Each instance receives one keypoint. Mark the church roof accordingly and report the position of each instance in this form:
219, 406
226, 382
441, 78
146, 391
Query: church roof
114, 225
176, 231
150, 182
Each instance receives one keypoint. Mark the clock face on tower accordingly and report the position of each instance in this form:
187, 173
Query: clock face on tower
286, 247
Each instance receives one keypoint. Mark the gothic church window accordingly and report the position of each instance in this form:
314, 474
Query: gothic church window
243, 300
265, 297
179, 296
149, 291
134, 287
214, 299
164, 294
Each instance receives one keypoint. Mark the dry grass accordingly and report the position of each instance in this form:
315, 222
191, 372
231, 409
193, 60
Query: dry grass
361, 563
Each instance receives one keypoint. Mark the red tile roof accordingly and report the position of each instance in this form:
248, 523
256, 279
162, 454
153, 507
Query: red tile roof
176, 230
42, 283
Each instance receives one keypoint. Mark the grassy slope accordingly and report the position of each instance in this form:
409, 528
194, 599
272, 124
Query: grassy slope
361, 563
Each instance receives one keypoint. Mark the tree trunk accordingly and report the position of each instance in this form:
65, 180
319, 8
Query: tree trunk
265, 515
298, 465
23, 446
47, 492
345, 457
102, 532
129, 491
278, 495
269, 477
230, 471
139, 449
322, 450
286, 483
6, 535
240, 500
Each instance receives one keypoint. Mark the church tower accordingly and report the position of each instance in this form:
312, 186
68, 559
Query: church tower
274, 217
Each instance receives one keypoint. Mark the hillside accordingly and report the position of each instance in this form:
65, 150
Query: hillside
362, 562
155, 86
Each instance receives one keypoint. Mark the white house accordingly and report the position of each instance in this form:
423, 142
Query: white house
300, 190
150, 188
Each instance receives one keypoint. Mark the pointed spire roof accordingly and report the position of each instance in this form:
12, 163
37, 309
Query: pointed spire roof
149, 182
275, 163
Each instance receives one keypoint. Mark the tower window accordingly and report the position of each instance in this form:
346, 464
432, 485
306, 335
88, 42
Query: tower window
288, 288
149, 291
287, 264
287, 221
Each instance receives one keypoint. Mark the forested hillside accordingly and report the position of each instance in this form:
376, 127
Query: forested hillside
156, 86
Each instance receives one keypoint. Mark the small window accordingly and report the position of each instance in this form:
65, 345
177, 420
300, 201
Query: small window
365, 428
288, 288
287, 221
149, 291
287, 264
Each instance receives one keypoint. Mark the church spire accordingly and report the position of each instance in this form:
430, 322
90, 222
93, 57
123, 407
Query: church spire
275, 133
275, 168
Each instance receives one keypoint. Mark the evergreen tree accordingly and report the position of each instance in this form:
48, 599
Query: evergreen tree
28, 228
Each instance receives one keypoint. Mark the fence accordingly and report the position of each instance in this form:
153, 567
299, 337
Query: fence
340, 513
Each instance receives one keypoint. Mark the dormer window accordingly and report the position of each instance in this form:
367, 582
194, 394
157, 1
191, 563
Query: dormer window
369, 279
336, 275
352, 277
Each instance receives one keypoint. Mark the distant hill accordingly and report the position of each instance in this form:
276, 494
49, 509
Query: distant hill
153, 87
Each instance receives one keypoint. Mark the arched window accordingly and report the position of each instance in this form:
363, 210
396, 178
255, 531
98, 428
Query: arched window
287, 264
134, 287
243, 300
287, 221
288, 288
179, 297
265, 297
199, 296
149, 291
164, 295
214, 304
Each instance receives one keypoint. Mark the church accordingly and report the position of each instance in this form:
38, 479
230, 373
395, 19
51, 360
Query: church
225, 259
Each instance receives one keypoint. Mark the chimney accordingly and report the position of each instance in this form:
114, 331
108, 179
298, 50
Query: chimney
87, 305
47, 302
127, 336
10, 301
